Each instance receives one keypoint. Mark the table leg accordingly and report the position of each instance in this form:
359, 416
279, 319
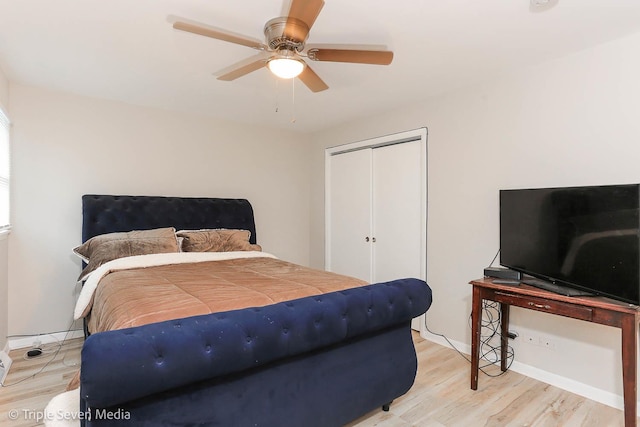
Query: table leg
504, 335
629, 368
476, 318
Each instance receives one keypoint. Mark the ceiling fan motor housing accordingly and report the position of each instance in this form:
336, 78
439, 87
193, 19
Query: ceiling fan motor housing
285, 38
286, 33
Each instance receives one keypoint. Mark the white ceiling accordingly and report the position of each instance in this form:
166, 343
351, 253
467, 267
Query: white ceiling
127, 50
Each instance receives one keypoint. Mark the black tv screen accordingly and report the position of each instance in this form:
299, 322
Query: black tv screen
584, 238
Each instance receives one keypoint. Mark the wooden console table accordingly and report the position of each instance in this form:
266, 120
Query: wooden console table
600, 310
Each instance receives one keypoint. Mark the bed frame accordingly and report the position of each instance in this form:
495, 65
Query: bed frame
319, 361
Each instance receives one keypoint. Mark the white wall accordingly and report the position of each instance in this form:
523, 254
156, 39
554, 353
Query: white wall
66, 145
573, 121
4, 90
4, 250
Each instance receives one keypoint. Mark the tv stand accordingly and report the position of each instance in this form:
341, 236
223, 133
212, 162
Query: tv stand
557, 289
596, 309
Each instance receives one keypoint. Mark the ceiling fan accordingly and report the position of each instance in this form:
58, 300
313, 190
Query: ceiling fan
285, 47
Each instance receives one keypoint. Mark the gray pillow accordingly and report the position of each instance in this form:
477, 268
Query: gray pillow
216, 240
106, 247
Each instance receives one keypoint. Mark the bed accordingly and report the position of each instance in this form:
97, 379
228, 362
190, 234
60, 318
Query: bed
318, 350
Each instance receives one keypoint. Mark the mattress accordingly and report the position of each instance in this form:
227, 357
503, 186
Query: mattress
174, 286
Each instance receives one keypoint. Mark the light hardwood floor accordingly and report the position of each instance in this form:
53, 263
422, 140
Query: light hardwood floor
29, 394
439, 397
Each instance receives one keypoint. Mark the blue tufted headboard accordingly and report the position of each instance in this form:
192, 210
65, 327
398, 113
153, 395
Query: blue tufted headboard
108, 214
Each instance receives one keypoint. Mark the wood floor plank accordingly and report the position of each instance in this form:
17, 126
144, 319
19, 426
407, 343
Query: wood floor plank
440, 396
31, 383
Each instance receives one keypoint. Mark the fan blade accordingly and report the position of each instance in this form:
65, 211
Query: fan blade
312, 80
216, 33
242, 68
306, 11
375, 57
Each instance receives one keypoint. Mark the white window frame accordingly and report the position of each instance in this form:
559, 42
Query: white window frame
5, 173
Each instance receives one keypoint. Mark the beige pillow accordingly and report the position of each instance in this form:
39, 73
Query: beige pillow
216, 240
106, 247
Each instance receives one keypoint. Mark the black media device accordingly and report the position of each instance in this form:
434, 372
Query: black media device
574, 240
502, 273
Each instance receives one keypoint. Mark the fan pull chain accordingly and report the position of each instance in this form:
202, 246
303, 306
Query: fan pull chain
277, 96
293, 100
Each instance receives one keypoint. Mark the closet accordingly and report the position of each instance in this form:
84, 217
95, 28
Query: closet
376, 207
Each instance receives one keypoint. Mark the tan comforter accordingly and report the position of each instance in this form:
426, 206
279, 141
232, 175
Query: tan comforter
135, 297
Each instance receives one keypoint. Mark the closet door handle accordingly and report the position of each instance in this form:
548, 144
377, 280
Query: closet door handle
373, 239
366, 239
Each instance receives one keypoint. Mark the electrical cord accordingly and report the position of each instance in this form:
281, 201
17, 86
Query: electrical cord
42, 349
490, 322
484, 343
490, 342
494, 258
55, 353
51, 334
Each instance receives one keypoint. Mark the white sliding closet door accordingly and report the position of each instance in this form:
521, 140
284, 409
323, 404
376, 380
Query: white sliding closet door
350, 214
376, 208
397, 200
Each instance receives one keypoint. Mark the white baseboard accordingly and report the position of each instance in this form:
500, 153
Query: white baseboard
584, 390
58, 337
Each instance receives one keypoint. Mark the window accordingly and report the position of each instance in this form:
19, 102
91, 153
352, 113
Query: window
4, 171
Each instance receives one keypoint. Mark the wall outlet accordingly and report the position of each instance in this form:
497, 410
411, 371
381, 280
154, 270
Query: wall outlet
531, 339
539, 340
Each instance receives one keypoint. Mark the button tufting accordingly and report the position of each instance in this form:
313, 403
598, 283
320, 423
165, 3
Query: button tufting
312, 328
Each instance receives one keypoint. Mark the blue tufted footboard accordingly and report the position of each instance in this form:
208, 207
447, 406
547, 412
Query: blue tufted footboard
316, 361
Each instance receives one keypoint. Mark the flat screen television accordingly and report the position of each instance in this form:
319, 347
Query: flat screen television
574, 240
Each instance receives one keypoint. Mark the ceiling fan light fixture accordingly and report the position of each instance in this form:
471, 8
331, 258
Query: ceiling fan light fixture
285, 65
284, 47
